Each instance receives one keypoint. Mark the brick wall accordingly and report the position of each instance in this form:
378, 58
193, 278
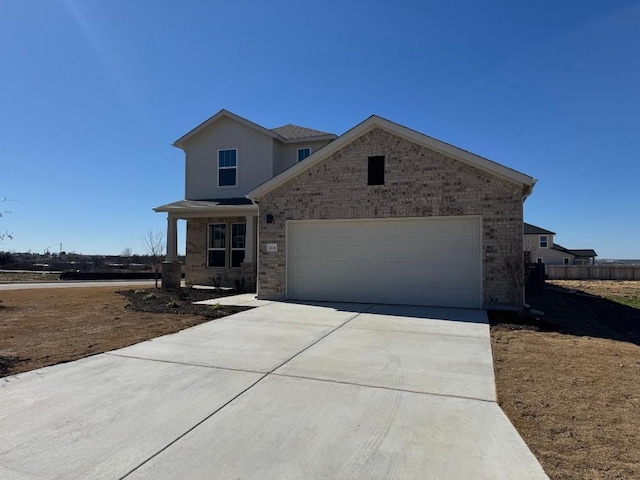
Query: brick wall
195, 268
418, 183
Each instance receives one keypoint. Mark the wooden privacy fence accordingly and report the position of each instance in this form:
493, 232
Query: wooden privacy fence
593, 272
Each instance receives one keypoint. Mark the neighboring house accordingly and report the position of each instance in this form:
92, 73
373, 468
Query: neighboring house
227, 156
380, 214
540, 247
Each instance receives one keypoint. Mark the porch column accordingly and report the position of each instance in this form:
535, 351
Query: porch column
172, 239
171, 268
249, 264
250, 240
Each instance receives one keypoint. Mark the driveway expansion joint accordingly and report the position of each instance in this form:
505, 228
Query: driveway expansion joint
264, 375
186, 363
382, 387
417, 333
321, 338
192, 428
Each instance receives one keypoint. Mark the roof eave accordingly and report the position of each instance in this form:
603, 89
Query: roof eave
310, 139
196, 212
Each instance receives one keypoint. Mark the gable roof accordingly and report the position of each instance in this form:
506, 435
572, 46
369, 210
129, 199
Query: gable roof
286, 134
375, 121
560, 248
586, 252
533, 230
295, 132
222, 114
580, 252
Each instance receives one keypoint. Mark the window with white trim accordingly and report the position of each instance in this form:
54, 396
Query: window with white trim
228, 167
238, 237
303, 153
217, 245
565, 260
544, 241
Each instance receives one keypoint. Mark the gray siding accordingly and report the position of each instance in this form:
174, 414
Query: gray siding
255, 160
285, 155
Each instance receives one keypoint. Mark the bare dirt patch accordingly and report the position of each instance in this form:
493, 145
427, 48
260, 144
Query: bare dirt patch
42, 327
570, 383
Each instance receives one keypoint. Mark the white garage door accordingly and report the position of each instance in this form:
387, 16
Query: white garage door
434, 261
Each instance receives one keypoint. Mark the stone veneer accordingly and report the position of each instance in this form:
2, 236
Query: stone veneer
419, 182
195, 268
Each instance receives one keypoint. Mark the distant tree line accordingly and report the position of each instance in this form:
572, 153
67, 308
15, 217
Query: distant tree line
78, 262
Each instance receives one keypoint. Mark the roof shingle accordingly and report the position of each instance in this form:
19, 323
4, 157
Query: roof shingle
533, 230
291, 132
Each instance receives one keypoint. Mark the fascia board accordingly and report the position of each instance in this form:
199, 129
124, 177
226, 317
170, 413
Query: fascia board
198, 212
309, 139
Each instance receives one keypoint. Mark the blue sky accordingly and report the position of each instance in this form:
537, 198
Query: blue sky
93, 93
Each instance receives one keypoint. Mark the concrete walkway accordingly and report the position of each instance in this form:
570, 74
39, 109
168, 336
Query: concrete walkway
282, 391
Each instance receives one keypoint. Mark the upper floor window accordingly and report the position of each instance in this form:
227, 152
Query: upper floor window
303, 153
544, 241
228, 167
376, 170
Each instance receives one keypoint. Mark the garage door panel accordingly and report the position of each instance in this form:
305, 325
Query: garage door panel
351, 249
416, 261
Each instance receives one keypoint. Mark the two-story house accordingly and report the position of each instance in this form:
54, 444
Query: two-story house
539, 247
226, 157
380, 214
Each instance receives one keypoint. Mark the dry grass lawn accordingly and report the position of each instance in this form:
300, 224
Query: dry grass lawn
572, 387
43, 327
13, 277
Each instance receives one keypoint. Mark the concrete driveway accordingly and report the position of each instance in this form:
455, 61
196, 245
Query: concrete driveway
284, 391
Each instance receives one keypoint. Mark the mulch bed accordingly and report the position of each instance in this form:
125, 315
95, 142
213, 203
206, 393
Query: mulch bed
180, 301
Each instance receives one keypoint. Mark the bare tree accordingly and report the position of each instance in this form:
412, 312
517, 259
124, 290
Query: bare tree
154, 244
126, 252
513, 267
4, 233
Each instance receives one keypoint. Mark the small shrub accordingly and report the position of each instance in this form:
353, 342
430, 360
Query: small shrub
173, 303
183, 293
149, 296
240, 285
216, 307
217, 283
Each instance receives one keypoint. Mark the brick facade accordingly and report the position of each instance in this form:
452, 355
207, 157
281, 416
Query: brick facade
195, 268
419, 182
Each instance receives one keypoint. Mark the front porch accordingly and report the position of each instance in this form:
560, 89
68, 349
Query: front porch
220, 243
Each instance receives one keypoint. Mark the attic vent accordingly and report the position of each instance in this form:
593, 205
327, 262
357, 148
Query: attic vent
376, 170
